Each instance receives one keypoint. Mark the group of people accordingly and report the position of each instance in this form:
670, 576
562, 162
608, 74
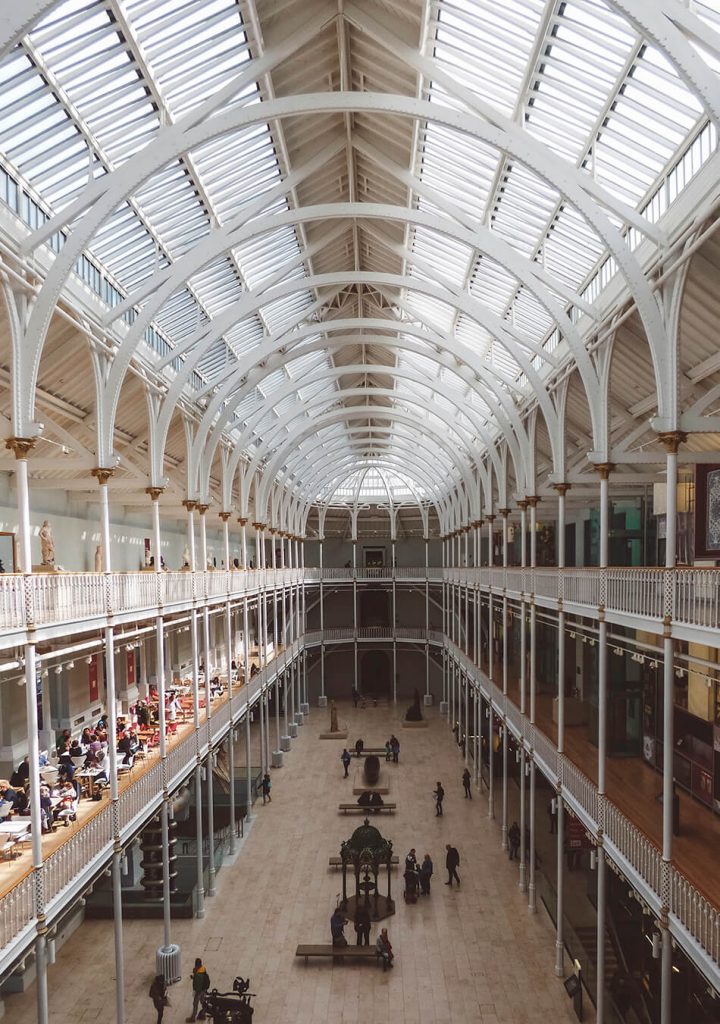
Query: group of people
417, 876
200, 984
362, 923
392, 749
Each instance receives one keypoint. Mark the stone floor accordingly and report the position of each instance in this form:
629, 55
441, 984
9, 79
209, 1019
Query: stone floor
462, 956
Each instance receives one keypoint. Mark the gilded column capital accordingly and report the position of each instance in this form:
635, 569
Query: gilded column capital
20, 446
202, 509
224, 516
504, 512
604, 469
533, 500
242, 520
672, 439
154, 492
102, 474
189, 505
561, 488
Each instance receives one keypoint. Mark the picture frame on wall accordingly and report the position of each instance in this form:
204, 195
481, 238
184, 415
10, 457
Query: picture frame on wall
8, 552
707, 511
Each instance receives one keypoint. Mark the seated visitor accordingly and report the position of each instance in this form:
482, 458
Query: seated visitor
384, 949
76, 750
365, 798
376, 801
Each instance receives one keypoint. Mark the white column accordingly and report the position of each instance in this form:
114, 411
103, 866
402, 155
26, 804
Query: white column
243, 542
561, 489
522, 882
604, 471
504, 827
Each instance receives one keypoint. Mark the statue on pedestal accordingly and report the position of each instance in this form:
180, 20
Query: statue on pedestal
186, 558
334, 727
414, 712
47, 544
98, 558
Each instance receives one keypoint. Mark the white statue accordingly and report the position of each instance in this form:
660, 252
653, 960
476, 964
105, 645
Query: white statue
98, 558
47, 544
186, 558
210, 563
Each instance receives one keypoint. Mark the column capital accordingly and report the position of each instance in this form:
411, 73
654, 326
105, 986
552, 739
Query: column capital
101, 474
242, 520
154, 492
504, 512
561, 488
189, 505
202, 509
260, 526
533, 500
20, 446
603, 469
272, 530
672, 439
490, 517
522, 504
224, 516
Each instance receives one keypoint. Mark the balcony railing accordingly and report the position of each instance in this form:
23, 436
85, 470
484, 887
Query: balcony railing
92, 842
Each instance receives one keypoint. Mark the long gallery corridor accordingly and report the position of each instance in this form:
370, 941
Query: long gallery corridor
473, 954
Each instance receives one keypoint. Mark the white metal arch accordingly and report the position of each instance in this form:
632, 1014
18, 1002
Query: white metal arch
528, 273
506, 415
109, 191
460, 300
205, 454
332, 454
351, 413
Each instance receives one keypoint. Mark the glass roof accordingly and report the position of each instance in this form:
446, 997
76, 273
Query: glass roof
226, 286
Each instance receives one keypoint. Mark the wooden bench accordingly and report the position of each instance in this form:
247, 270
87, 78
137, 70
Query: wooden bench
346, 808
364, 952
367, 751
336, 862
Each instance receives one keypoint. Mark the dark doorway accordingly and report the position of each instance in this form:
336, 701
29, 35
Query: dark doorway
375, 673
374, 608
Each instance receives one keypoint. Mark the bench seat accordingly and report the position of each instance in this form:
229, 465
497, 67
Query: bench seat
364, 952
349, 808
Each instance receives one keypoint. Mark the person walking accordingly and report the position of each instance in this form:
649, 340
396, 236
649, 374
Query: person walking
355, 696
200, 983
362, 925
384, 949
345, 758
388, 750
452, 861
466, 784
266, 787
359, 747
439, 793
158, 994
426, 870
514, 840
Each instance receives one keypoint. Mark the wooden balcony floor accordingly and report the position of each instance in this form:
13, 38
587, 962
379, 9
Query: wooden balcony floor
12, 872
634, 787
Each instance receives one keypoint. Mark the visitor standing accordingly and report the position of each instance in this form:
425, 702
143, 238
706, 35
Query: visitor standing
337, 928
395, 747
466, 784
359, 747
266, 787
452, 861
355, 696
439, 794
345, 758
426, 870
362, 925
200, 983
514, 840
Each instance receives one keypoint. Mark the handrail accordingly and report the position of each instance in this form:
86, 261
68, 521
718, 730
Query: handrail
684, 597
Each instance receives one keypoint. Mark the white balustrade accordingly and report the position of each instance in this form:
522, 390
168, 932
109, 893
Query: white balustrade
635, 591
545, 582
582, 789
695, 914
697, 597
65, 597
17, 910
65, 863
133, 590
12, 612
634, 845
582, 586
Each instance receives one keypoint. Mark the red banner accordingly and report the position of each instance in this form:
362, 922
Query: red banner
93, 678
130, 668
